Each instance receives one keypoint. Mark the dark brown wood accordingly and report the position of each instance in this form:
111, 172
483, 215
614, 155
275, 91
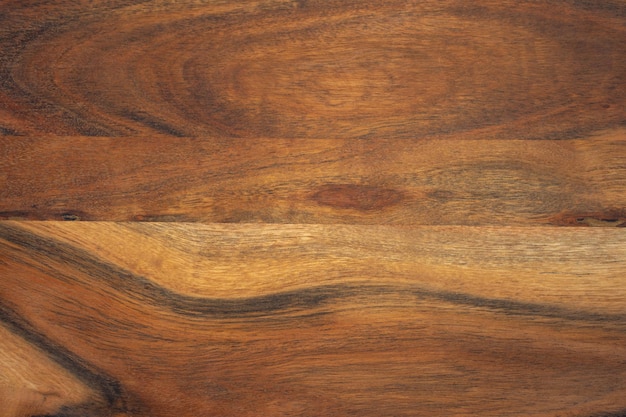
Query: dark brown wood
162, 319
311, 69
576, 182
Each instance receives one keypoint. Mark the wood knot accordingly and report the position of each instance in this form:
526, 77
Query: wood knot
600, 219
357, 197
72, 217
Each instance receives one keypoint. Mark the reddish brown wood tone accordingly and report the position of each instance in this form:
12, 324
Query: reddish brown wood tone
304, 208
374, 181
313, 69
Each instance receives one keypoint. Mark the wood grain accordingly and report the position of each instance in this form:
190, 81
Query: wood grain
312, 208
311, 69
32, 383
306, 320
577, 182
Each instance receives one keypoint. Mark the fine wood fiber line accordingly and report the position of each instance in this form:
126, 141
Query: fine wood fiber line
162, 319
374, 181
311, 69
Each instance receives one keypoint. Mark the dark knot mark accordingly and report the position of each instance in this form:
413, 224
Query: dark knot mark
357, 197
71, 217
35, 213
597, 219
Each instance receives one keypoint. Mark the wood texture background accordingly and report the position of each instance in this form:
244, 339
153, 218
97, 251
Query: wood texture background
311, 69
312, 208
374, 181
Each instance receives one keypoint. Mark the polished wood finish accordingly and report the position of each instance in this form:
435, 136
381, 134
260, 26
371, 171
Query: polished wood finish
313, 69
312, 208
376, 181
308, 320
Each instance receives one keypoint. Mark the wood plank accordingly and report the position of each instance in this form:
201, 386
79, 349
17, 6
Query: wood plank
313, 68
416, 182
312, 320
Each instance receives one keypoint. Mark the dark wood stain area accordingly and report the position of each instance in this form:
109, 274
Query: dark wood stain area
357, 197
312, 208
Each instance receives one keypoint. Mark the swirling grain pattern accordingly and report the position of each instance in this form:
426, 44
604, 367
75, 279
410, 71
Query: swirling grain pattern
310, 208
160, 319
303, 69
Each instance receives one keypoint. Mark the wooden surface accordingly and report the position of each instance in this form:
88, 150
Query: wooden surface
312, 208
310, 69
323, 320
374, 181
